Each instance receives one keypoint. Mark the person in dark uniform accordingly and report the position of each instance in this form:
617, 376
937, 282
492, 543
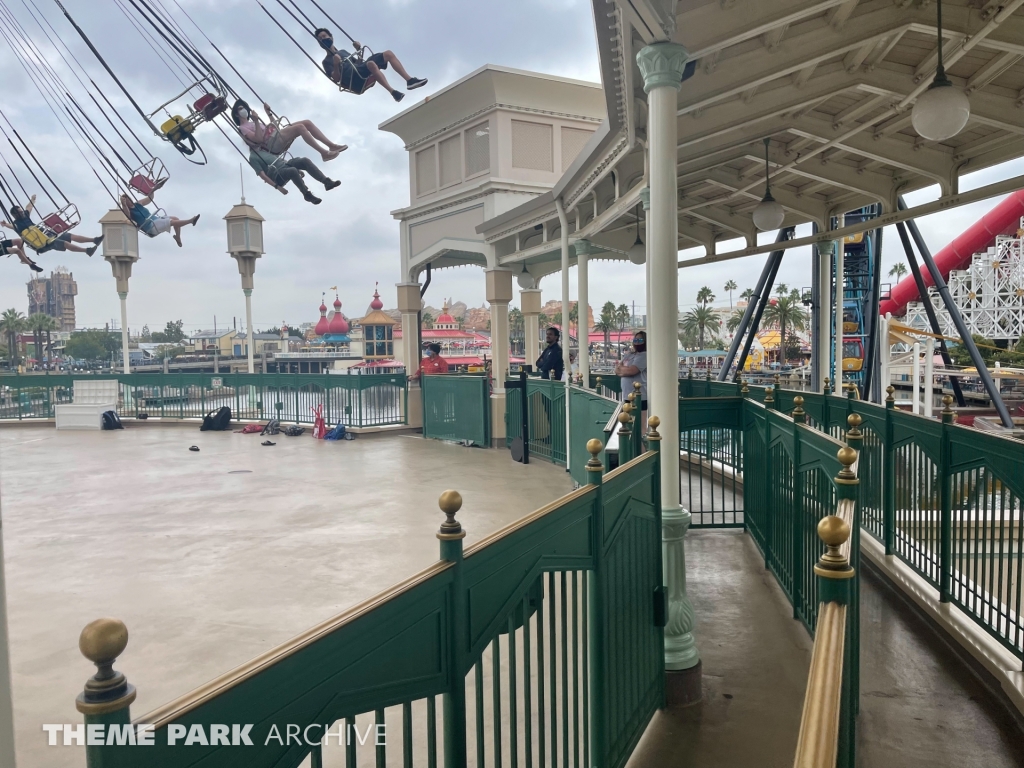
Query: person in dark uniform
551, 358
358, 75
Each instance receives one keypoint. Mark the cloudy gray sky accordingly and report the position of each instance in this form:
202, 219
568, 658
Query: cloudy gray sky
350, 240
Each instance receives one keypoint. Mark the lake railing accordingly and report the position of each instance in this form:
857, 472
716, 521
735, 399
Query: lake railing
355, 400
457, 407
540, 645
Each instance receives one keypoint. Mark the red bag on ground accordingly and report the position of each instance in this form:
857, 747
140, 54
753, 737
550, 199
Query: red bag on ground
249, 429
319, 425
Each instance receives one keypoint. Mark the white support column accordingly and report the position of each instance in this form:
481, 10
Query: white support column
499, 295
840, 247
6, 694
652, 364
125, 357
564, 236
884, 354
916, 389
824, 350
662, 67
531, 302
248, 324
409, 304
583, 251
929, 376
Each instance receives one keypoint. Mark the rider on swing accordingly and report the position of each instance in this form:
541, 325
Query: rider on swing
16, 246
357, 76
276, 141
149, 223
21, 222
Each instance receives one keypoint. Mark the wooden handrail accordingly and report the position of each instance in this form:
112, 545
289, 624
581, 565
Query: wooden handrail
818, 743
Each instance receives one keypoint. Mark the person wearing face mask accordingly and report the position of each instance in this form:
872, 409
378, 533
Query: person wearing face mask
357, 75
269, 138
432, 362
633, 368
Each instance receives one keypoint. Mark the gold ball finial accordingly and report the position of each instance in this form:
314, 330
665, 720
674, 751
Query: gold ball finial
947, 402
833, 531
594, 446
636, 385
450, 503
627, 406
624, 416
890, 394
103, 640
652, 429
854, 420
847, 456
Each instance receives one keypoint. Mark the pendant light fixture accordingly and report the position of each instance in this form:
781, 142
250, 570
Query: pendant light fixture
638, 251
942, 111
768, 214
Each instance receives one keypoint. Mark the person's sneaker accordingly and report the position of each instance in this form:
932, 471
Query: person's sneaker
90, 251
415, 82
35, 268
98, 240
331, 184
397, 95
309, 197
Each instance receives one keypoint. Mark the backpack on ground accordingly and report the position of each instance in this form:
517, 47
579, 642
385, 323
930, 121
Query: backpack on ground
273, 427
250, 429
110, 420
294, 430
338, 433
217, 421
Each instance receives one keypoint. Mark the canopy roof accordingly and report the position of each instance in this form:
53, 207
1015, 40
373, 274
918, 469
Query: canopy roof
830, 82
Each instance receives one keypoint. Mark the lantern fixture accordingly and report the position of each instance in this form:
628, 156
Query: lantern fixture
943, 110
638, 251
768, 214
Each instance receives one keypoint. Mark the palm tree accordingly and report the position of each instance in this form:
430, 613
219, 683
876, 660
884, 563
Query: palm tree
698, 320
899, 269
623, 316
705, 296
516, 326
785, 313
12, 322
606, 324
781, 289
574, 316
730, 286
734, 320
40, 324
748, 294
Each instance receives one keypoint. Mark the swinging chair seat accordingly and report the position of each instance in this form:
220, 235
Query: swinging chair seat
209, 106
144, 185
56, 224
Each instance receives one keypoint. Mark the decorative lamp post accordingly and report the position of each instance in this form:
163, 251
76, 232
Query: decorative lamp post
121, 251
245, 244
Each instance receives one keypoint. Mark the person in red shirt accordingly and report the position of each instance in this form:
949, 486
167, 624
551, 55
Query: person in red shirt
432, 363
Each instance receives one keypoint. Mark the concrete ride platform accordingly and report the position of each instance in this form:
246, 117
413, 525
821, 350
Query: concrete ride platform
212, 558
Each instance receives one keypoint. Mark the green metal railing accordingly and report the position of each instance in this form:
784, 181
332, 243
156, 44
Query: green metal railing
945, 499
542, 644
457, 408
357, 400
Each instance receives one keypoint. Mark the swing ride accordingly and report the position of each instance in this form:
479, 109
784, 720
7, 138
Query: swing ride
130, 174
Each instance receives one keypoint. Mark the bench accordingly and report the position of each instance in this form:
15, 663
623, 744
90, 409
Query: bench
91, 399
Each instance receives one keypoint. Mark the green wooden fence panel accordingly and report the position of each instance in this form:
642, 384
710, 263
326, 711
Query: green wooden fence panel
457, 408
588, 415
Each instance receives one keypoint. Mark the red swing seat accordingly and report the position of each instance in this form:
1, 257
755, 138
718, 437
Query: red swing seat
144, 185
56, 224
209, 106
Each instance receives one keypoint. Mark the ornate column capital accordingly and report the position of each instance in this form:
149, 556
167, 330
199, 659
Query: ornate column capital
662, 65
645, 198
583, 247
